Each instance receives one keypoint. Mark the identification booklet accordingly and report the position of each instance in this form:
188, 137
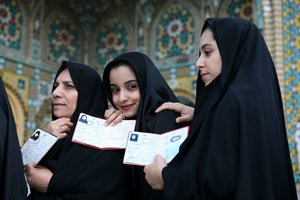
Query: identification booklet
36, 147
91, 131
142, 147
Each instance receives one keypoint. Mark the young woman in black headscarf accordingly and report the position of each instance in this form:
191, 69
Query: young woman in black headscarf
76, 171
238, 146
135, 86
12, 179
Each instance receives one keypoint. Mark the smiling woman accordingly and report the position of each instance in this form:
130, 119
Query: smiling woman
125, 89
134, 85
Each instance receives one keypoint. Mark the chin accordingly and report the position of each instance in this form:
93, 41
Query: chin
61, 115
130, 115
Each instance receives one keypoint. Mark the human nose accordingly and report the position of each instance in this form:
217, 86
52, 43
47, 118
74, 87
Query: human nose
200, 62
57, 92
123, 96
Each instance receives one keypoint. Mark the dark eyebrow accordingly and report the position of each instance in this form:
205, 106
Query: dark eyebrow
127, 82
67, 82
131, 81
113, 85
205, 45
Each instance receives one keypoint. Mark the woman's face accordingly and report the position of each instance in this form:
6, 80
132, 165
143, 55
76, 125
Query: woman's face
64, 96
210, 62
125, 90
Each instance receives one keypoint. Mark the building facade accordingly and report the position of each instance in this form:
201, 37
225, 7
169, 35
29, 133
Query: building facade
35, 36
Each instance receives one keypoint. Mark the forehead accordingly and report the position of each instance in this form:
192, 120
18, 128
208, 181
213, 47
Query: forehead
122, 72
64, 75
125, 69
207, 38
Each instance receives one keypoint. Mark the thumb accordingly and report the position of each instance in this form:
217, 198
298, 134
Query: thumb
180, 120
62, 135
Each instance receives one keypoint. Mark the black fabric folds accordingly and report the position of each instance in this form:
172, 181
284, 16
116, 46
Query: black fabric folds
238, 146
154, 92
81, 172
12, 179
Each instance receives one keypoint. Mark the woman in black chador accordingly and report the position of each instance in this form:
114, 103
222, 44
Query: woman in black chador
135, 87
12, 179
238, 146
76, 171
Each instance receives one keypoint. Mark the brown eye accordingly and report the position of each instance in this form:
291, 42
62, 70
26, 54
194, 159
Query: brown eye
132, 87
207, 53
69, 86
114, 90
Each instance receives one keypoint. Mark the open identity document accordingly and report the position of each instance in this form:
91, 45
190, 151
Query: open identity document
36, 147
91, 131
142, 147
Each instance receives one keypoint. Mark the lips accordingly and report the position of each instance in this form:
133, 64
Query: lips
204, 74
126, 107
58, 104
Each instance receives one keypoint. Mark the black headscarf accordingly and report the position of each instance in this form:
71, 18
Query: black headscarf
153, 87
82, 172
12, 179
154, 92
238, 146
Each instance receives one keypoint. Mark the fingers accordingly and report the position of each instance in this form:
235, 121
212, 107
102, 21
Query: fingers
113, 117
168, 106
182, 119
153, 172
38, 177
69, 124
164, 106
60, 132
59, 127
64, 128
109, 112
62, 135
160, 160
65, 123
28, 168
117, 120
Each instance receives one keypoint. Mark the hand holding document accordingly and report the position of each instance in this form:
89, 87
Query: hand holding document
142, 147
91, 131
36, 147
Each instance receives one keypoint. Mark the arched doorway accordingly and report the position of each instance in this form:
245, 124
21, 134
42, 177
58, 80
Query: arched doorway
19, 113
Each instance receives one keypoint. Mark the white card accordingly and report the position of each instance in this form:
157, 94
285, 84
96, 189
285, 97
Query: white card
38, 144
142, 147
91, 131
